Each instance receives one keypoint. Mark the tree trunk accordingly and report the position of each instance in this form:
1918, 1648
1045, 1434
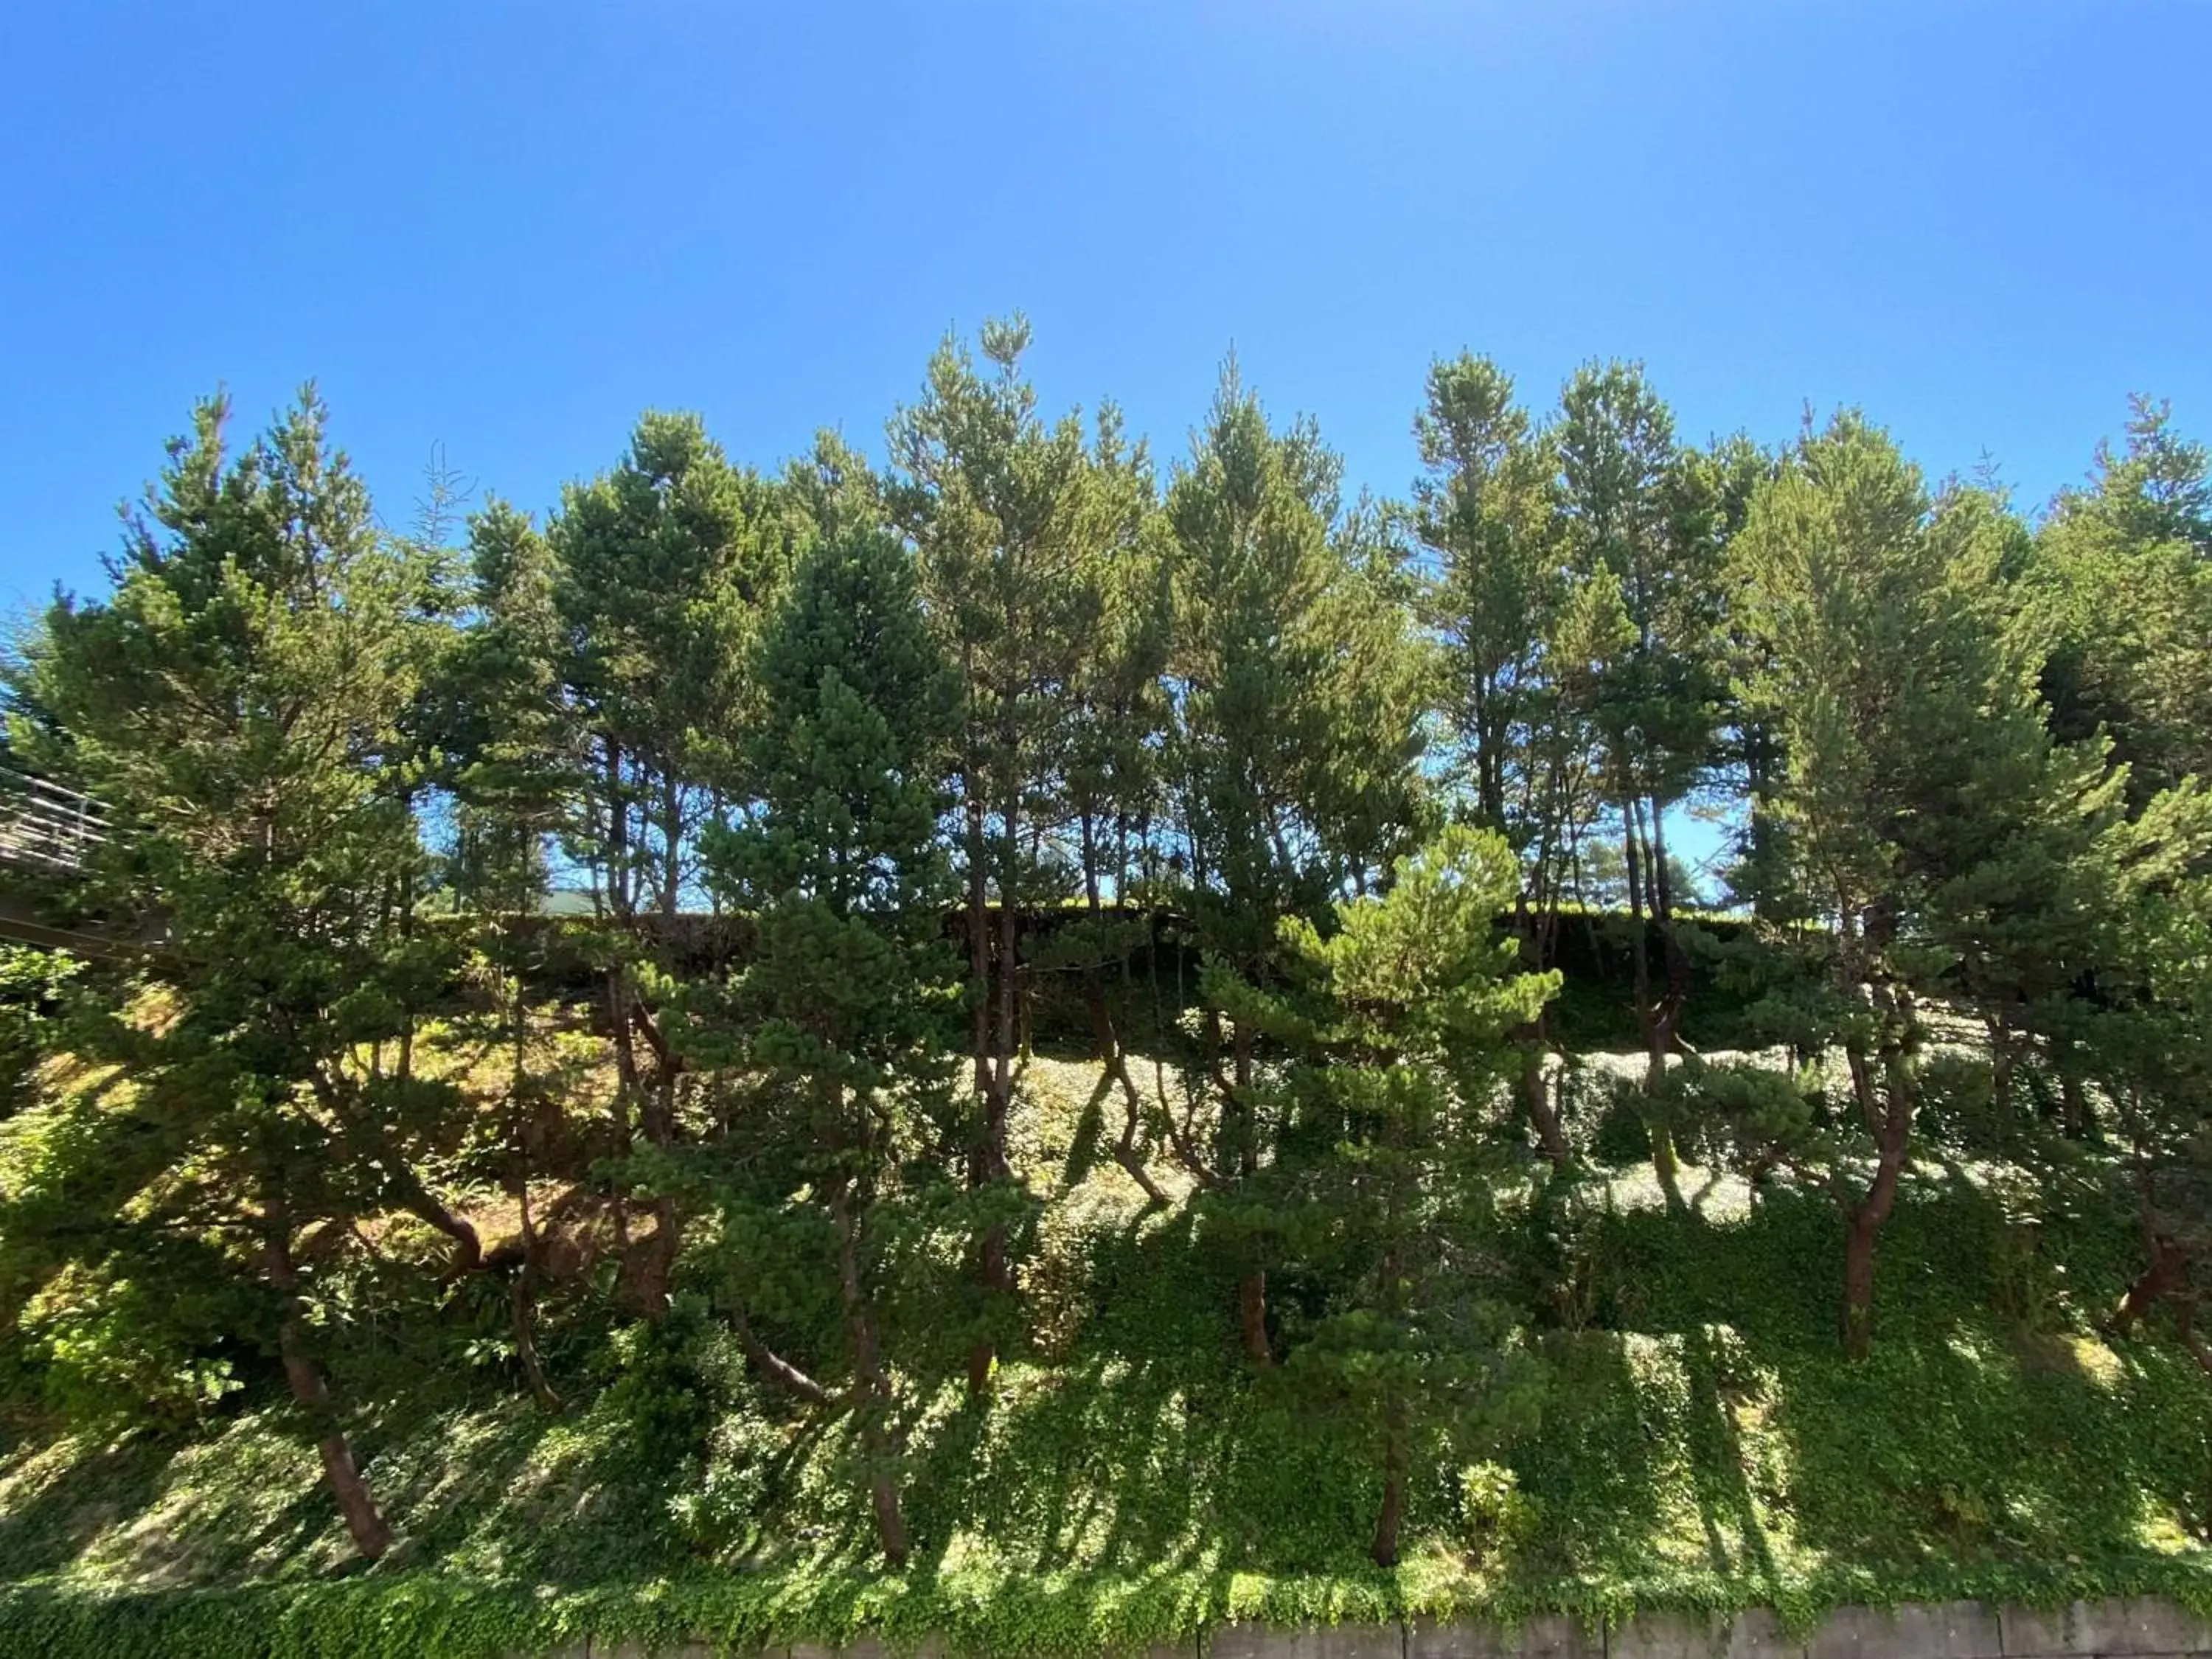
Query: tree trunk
426, 1206
1536, 1098
371, 1536
1252, 1289
2167, 1271
522, 1309
872, 1396
627, 1086
1866, 1222
657, 1263
1660, 878
1489, 756
1661, 1015
981, 1004
1091, 854
1108, 1042
2001, 1065
2076, 1101
1252, 1317
671, 836
1760, 761
1539, 930
779, 1370
1394, 1498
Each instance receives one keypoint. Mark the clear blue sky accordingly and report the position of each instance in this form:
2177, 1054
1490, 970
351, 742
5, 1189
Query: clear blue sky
508, 229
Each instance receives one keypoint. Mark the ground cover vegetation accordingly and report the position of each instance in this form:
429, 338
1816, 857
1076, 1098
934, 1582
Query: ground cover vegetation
1026, 1047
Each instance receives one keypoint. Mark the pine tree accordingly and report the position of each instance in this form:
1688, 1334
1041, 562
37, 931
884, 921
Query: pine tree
1927, 816
663, 568
241, 702
1000, 507
2137, 671
2146, 1040
510, 765
1116, 707
1398, 1027
1503, 604
845, 1010
1642, 535
1489, 508
1295, 733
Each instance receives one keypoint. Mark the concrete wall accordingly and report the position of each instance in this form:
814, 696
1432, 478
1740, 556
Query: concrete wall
1946, 1630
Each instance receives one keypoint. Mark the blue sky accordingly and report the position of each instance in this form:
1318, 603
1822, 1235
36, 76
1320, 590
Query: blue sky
508, 228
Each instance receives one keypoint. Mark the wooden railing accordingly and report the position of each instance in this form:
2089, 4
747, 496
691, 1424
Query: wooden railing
45, 827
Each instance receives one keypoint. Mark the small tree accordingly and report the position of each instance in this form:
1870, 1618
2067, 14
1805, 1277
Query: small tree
846, 1015
1398, 1028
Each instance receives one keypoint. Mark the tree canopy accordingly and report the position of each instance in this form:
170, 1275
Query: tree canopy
634, 942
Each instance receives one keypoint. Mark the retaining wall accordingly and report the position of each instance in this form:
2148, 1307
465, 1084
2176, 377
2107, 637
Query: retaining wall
2140, 1629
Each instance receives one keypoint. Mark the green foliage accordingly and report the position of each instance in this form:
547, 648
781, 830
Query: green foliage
844, 1014
31, 983
1145, 1484
1297, 720
1397, 1022
1110, 1164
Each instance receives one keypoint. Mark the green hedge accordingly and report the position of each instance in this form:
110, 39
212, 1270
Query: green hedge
423, 1615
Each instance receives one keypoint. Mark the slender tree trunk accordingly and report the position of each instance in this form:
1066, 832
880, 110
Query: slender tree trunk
1670, 942
1631, 855
1536, 1098
2168, 1267
979, 954
1393, 1410
1642, 886
656, 1268
2001, 1065
1489, 756
522, 1293
1252, 1317
979, 1024
1867, 1219
1252, 1289
1759, 762
996, 1059
996, 1054
615, 986
1115, 1063
2076, 1101
628, 1086
671, 836
426, 1206
406, 919
1387, 1519
522, 1309
872, 1395
364, 1523
1541, 930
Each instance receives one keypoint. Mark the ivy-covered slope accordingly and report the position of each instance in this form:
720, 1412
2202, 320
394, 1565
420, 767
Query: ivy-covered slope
1699, 1442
